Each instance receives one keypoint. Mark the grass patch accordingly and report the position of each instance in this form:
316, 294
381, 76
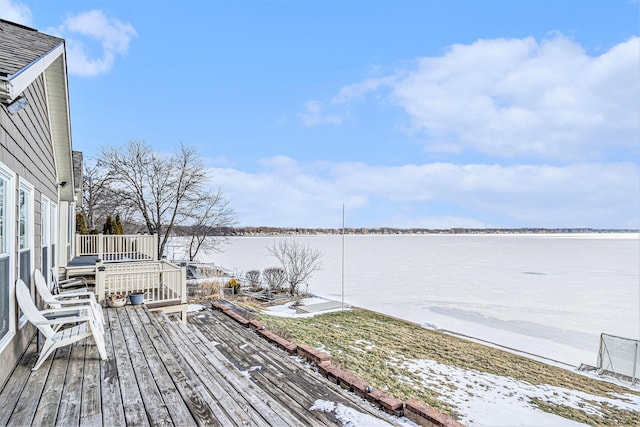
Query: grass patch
365, 342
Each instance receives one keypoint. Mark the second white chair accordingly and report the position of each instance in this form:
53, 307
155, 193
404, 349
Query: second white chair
68, 299
85, 325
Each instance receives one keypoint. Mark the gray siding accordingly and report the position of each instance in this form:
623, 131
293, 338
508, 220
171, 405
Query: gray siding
26, 144
27, 149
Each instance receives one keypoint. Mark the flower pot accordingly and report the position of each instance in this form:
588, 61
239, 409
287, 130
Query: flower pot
136, 298
116, 302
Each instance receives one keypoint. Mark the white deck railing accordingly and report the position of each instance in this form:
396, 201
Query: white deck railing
160, 281
118, 247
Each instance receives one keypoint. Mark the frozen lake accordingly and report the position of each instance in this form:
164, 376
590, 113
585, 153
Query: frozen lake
551, 295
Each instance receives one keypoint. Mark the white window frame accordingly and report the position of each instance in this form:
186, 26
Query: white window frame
45, 235
29, 236
53, 242
9, 177
71, 229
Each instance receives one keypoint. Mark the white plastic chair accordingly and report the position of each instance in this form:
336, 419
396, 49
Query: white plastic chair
86, 325
68, 299
59, 286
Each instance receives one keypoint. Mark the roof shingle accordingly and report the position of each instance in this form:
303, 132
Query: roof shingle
20, 46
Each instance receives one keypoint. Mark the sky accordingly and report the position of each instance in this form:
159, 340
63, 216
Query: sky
409, 113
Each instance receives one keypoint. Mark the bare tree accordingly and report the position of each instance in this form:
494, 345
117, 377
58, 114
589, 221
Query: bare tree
208, 213
253, 277
161, 190
96, 194
299, 261
275, 278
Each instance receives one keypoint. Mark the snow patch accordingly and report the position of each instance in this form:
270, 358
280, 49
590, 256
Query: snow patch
194, 307
285, 310
347, 416
251, 369
486, 399
367, 345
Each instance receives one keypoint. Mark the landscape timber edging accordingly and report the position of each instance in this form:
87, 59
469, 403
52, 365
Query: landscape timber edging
416, 411
313, 355
419, 412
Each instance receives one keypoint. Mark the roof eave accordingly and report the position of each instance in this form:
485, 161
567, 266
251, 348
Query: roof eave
53, 66
18, 82
58, 104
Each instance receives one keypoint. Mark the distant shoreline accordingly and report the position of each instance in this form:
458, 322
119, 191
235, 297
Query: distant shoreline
295, 231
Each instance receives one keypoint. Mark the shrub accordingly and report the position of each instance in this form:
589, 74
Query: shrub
233, 283
81, 224
253, 277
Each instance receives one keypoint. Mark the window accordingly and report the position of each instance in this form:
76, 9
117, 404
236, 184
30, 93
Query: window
7, 313
25, 236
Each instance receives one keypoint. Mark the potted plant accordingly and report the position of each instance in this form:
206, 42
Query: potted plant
136, 297
116, 300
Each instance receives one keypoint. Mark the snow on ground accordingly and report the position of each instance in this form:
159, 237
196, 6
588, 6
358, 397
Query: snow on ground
246, 373
195, 307
285, 310
350, 417
486, 399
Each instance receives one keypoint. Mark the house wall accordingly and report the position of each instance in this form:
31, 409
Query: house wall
26, 148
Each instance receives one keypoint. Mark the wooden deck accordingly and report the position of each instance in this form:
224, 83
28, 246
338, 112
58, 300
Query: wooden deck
163, 372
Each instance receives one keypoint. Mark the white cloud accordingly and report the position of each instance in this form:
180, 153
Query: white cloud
313, 115
81, 31
15, 12
285, 192
521, 98
358, 90
86, 28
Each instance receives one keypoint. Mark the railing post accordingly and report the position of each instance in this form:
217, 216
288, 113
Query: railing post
100, 283
183, 283
100, 246
77, 251
155, 247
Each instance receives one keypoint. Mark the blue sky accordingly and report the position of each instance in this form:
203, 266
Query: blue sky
411, 113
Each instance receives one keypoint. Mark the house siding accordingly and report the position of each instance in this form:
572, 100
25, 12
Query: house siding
27, 149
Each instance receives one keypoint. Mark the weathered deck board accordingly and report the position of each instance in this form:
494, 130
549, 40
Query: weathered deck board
162, 372
90, 409
178, 410
134, 411
25, 410
270, 375
69, 409
269, 410
236, 412
205, 410
302, 415
278, 375
112, 410
156, 411
274, 375
11, 392
47, 411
